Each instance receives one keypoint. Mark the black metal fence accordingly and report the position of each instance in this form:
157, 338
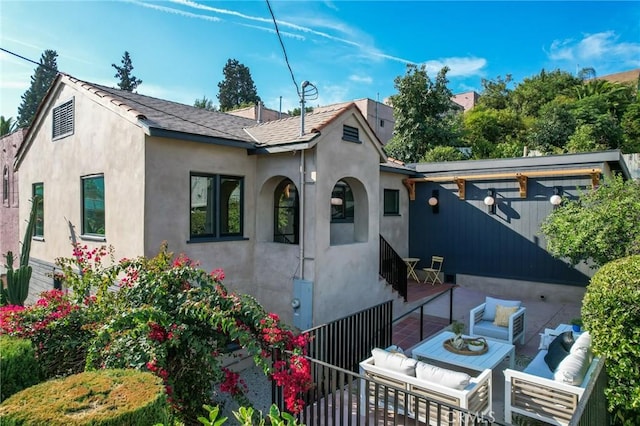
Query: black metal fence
345, 342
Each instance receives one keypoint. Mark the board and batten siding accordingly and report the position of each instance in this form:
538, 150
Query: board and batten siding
507, 244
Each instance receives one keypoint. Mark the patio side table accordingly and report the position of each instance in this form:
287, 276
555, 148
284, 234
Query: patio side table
411, 267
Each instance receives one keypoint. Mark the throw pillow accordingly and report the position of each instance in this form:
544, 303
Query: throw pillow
442, 376
502, 315
558, 350
490, 307
572, 369
395, 362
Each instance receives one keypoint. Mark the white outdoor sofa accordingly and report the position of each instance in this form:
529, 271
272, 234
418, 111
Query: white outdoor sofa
545, 395
482, 317
446, 386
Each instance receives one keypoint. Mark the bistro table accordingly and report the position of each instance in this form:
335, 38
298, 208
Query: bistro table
411, 267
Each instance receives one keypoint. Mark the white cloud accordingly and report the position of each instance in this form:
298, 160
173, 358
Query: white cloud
176, 11
458, 67
361, 79
600, 47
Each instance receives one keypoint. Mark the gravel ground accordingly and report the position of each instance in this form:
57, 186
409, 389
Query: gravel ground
259, 393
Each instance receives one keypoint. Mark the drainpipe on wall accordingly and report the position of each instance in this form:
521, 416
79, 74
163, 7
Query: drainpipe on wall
301, 230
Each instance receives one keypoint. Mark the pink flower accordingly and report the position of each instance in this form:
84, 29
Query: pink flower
218, 274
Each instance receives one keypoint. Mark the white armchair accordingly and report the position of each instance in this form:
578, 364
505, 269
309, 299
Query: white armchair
498, 319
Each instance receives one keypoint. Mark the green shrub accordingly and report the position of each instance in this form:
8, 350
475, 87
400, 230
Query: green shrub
611, 313
18, 366
99, 398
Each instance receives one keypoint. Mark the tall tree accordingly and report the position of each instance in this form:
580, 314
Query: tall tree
237, 89
530, 95
7, 125
424, 114
495, 93
127, 81
205, 103
41, 79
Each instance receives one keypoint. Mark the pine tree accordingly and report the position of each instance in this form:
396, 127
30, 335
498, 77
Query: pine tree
127, 81
41, 79
237, 89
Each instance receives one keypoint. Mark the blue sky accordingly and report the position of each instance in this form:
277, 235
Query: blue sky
347, 49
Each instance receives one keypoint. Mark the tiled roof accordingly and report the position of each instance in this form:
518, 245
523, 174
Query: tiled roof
167, 115
287, 130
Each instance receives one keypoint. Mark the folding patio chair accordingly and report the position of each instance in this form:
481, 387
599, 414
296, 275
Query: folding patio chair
433, 273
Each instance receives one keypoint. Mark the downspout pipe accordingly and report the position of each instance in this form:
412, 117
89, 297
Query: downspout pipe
302, 215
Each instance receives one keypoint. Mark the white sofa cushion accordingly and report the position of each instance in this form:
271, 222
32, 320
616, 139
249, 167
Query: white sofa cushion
582, 344
572, 369
490, 307
442, 376
394, 361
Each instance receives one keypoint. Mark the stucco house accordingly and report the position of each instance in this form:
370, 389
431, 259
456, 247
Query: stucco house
288, 213
9, 145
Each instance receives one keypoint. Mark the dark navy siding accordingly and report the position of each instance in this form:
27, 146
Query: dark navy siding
505, 245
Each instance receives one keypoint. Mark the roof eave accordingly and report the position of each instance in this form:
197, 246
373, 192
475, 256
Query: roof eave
174, 134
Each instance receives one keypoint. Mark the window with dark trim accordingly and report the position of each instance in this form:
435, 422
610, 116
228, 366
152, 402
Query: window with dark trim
285, 214
37, 193
93, 205
342, 206
391, 202
216, 206
350, 134
381, 123
63, 120
5, 184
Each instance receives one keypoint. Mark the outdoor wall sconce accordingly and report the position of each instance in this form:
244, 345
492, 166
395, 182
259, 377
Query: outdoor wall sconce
490, 201
556, 199
434, 201
336, 201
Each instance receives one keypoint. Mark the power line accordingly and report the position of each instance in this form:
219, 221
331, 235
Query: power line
286, 59
28, 60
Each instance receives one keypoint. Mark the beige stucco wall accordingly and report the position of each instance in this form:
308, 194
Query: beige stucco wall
346, 276
277, 264
167, 194
102, 142
395, 229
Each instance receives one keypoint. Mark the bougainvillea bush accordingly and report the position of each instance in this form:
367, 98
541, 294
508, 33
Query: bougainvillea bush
176, 320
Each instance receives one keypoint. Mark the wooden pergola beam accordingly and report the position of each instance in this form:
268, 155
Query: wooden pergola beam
511, 175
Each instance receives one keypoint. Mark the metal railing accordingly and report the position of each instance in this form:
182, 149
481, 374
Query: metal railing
392, 268
347, 341
421, 308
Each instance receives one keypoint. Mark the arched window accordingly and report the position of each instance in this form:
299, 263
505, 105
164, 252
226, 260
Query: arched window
5, 184
342, 203
286, 213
